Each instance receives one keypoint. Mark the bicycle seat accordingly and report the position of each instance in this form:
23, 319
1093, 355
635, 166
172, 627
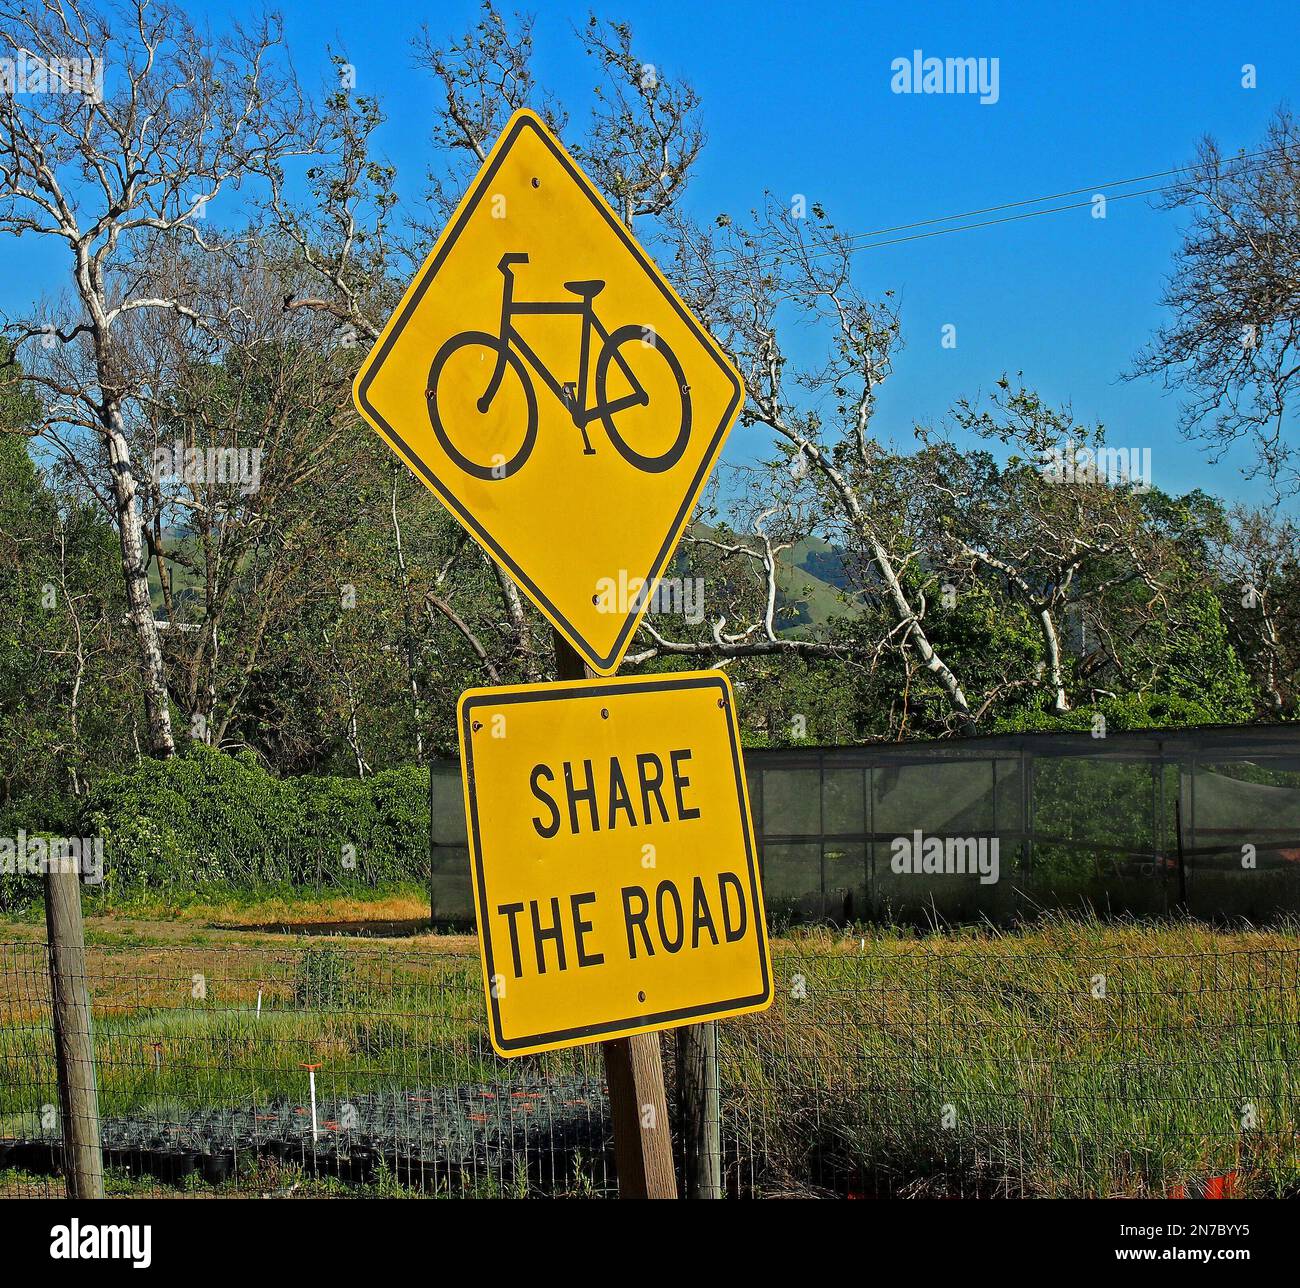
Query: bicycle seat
588, 289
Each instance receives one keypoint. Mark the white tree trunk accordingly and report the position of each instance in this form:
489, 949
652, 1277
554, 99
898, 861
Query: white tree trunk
1052, 642
135, 574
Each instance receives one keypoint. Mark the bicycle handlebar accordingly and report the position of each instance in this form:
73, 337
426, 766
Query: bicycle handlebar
510, 258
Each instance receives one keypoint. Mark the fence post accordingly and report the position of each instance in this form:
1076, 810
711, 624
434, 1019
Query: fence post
74, 1045
700, 1098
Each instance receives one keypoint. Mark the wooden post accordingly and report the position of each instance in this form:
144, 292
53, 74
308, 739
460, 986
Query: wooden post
700, 1099
74, 1046
638, 1107
634, 1068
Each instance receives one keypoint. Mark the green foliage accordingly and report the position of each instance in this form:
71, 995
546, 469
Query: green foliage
62, 695
1130, 711
26, 515
984, 638
209, 819
1200, 665
323, 980
46, 817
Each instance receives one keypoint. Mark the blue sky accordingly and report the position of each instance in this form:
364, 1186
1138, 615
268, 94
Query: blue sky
797, 99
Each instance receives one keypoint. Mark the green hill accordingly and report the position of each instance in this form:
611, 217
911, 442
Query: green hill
812, 584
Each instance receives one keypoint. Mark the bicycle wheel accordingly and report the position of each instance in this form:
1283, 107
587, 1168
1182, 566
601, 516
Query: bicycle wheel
458, 377
660, 375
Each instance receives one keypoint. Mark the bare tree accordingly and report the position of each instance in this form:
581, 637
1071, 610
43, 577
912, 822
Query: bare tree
353, 262
645, 133
1234, 343
746, 280
259, 475
483, 77
118, 161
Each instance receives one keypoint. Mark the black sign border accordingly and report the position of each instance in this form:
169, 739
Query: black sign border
593, 689
467, 519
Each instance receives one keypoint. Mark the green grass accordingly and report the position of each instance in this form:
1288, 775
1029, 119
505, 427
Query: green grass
971, 1063
985, 1064
370, 1026
230, 904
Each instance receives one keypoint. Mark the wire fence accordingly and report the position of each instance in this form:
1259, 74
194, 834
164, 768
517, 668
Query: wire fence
885, 1067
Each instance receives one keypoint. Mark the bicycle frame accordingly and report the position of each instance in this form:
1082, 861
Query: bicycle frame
584, 308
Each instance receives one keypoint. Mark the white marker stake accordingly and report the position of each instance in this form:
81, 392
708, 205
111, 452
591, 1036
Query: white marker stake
259, 1003
311, 1073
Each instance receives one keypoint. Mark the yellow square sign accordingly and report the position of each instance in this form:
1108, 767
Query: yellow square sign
615, 879
546, 382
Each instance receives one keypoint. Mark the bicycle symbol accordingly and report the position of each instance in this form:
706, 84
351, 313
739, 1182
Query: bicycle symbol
504, 350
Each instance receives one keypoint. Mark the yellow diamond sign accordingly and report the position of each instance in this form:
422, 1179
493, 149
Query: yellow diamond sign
547, 383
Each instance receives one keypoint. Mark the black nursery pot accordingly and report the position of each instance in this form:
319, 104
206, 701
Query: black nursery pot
218, 1167
38, 1156
362, 1160
183, 1164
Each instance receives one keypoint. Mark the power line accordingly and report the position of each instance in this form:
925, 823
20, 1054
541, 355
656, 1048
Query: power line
863, 241
1006, 219
1056, 196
